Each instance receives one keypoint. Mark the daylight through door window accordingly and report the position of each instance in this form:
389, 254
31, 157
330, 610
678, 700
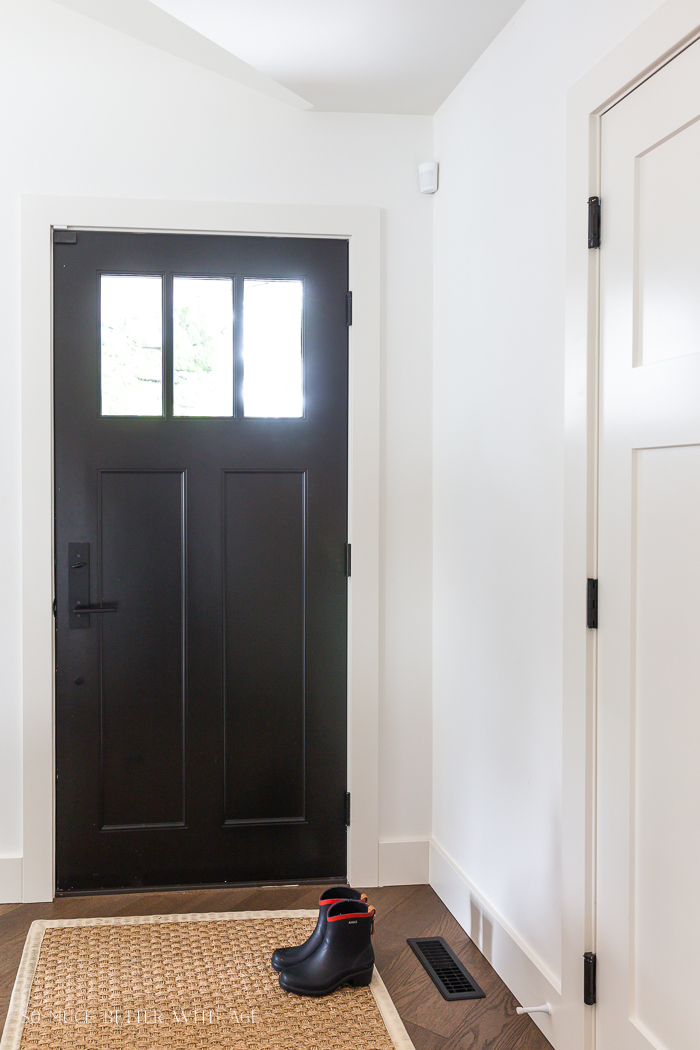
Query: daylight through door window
131, 325
203, 346
272, 348
200, 355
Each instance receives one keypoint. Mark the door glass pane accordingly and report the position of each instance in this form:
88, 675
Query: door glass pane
203, 346
131, 320
272, 379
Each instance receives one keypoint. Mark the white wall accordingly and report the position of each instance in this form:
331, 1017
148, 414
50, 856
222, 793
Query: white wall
499, 255
88, 111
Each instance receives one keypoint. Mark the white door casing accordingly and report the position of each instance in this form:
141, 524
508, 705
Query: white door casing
648, 877
361, 226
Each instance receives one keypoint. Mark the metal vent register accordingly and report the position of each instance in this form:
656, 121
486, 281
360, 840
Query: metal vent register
444, 968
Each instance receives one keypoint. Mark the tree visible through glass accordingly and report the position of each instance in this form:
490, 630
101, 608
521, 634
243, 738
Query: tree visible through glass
131, 326
131, 323
203, 346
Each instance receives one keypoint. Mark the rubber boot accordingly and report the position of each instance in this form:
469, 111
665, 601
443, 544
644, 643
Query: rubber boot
284, 957
345, 955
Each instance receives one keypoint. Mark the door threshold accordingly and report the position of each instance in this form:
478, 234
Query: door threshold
190, 887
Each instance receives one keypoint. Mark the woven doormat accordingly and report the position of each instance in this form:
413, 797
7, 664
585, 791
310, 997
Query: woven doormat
180, 982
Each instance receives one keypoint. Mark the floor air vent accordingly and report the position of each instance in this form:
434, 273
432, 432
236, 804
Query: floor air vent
445, 969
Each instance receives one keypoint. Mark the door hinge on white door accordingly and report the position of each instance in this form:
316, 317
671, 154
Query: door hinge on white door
348, 309
347, 809
589, 978
594, 222
592, 604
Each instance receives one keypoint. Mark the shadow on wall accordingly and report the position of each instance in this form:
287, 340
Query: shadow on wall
481, 930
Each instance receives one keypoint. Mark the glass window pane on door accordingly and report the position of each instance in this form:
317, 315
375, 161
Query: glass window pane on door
203, 346
131, 323
272, 359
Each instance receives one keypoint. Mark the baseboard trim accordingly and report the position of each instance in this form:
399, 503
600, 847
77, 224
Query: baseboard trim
530, 980
10, 880
404, 863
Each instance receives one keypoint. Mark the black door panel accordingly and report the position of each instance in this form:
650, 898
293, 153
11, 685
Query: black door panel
200, 724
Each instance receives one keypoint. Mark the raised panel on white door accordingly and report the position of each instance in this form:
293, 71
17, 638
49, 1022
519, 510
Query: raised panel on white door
668, 234
665, 731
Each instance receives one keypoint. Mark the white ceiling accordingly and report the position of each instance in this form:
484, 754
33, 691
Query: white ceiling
366, 56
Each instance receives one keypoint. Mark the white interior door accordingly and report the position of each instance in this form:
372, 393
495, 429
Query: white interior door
648, 941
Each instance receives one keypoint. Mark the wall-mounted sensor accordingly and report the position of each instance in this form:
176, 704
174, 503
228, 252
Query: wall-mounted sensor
428, 176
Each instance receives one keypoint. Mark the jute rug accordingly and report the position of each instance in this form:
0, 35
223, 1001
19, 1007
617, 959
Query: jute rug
180, 982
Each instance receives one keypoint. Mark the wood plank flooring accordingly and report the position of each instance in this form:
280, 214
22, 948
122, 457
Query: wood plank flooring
402, 911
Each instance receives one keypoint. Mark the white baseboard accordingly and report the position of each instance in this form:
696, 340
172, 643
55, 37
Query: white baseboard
404, 863
517, 964
10, 880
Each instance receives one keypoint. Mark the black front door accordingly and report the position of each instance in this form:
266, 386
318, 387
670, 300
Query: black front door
201, 509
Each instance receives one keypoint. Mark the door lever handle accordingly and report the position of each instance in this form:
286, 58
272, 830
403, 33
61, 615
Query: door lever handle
109, 607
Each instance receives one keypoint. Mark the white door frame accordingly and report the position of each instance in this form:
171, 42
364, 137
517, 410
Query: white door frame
362, 228
671, 28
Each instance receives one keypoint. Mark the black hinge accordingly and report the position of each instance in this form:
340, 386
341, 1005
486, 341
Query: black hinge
348, 309
594, 222
65, 237
347, 809
348, 559
589, 980
592, 604
55, 609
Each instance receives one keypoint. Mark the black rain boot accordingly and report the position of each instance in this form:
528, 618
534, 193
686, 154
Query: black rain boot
284, 957
345, 955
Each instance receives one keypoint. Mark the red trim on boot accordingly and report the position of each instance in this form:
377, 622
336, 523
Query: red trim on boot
369, 914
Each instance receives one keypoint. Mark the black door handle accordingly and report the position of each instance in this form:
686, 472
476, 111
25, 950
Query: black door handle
79, 588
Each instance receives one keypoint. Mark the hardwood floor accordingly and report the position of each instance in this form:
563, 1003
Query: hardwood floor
402, 911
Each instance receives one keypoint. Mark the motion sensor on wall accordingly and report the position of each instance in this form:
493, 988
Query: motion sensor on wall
428, 176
